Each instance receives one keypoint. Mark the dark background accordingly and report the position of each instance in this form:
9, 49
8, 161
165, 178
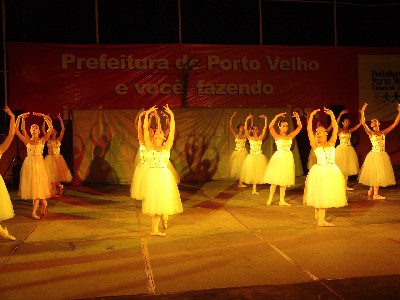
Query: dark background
237, 22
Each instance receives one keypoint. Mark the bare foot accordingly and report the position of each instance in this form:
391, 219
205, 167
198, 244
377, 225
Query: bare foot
378, 197
284, 203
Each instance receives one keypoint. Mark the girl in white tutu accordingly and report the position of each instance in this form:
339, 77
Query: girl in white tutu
161, 196
255, 163
56, 165
141, 165
345, 156
6, 208
280, 168
324, 186
312, 159
34, 180
239, 154
377, 169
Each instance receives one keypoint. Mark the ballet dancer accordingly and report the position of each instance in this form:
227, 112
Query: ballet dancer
280, 168
345, 156
377, 170
34, 180
161, 196
6, 207
324, 187
239, 154
255, 162
56, 165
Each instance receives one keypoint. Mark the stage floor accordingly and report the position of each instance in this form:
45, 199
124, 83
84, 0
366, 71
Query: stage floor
227, 244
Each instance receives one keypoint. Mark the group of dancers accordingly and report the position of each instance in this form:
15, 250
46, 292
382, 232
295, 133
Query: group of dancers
155, 181
39, 176
326, 181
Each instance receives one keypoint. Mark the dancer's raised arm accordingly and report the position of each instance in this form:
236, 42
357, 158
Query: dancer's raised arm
311, 136
11, 131
170, 140
334, 125
263, 133
396, 121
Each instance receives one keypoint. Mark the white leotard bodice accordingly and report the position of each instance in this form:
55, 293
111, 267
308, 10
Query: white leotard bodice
344, 138
53, 146
325, 156
283, 144
157, 159
255, 146
35, 150
378, 143
240, 144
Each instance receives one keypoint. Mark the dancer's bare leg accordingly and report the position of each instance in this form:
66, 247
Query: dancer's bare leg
155, 221
254, 192
44, 206
164, 221
376, 195
321, 219
282, 191
346, 178
241, 184
272, 189
35, 206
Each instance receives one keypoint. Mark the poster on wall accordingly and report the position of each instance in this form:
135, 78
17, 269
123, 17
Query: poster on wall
379, 81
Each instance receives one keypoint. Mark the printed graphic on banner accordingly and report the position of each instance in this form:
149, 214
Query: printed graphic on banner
379, 83
56, 76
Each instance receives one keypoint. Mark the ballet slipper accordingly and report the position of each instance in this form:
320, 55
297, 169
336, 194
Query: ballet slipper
284, 203
158, 233
370, 192
255, 193
242, 185
35, 216
378, 197
349, 188
324, 223
4, 233
269, 202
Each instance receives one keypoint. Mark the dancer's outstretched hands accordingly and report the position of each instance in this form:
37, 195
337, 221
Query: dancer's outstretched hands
281, 114
364, 107
168, 110
8, 111
328, 111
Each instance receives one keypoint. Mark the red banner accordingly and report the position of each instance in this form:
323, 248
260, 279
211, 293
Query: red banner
52, 76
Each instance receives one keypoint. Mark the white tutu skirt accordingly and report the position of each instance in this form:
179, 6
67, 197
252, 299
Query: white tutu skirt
137, 181
346, 159
34, 179
377, 170
312, 159
325, 187
174, 172
236, 163
6, 208
280, 169
160, 193
253, 169
58, 169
